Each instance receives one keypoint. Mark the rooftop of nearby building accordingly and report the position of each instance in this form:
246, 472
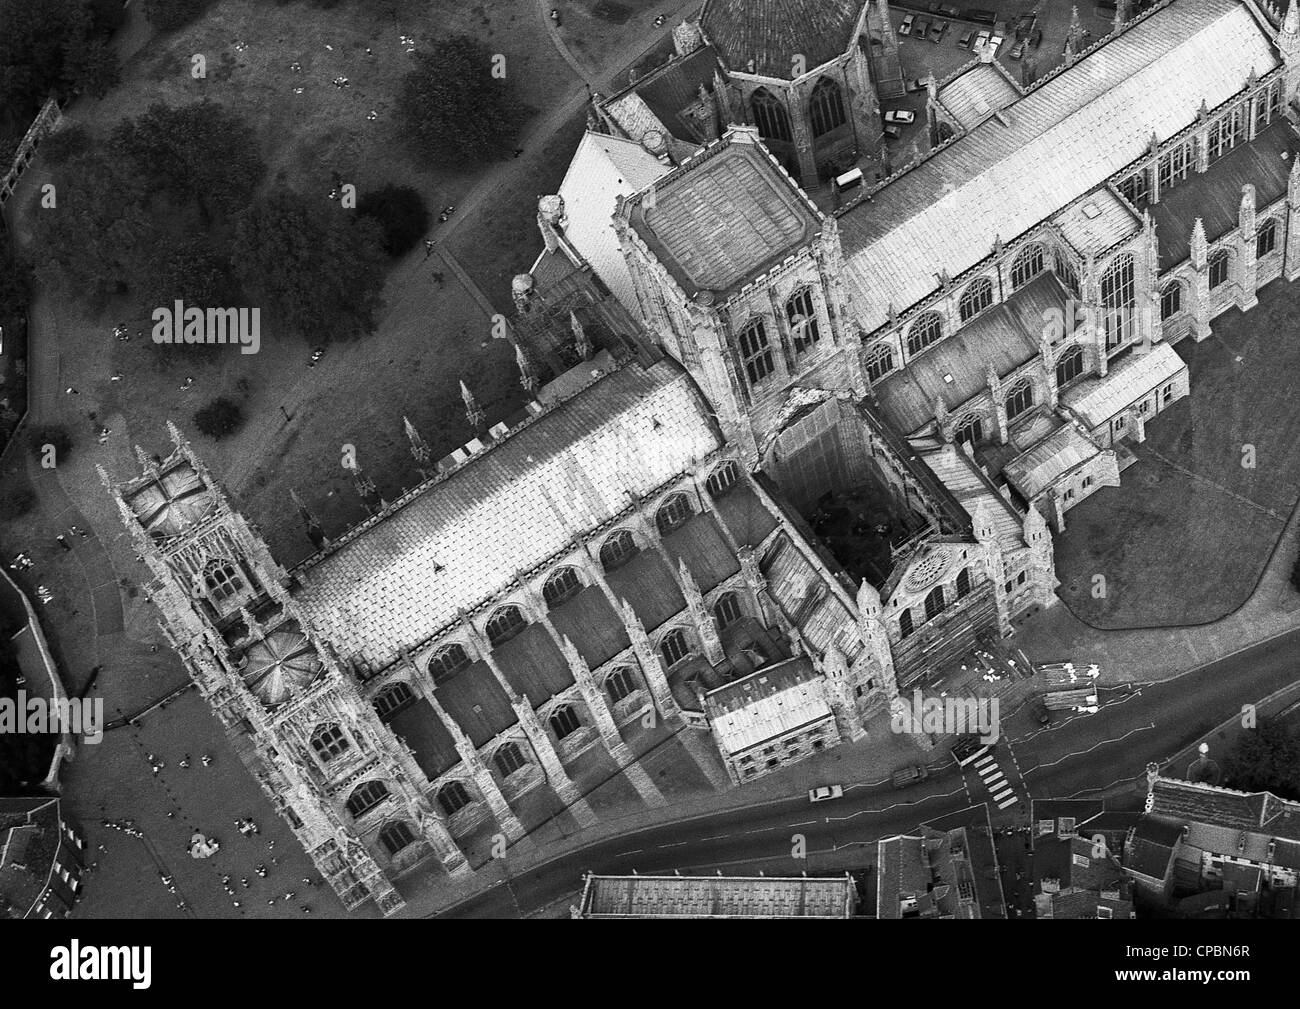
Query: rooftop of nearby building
770, 33
973, 490
1096, 222
29, 838
925, 875
1066, 137
717, 897
664, 92
973, 96
1215, 194
1037, 470
767, 704
1098, 398
724, 216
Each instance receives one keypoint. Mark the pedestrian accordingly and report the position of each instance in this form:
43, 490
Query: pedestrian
428, 247
63, 541
185, 761
206, 759
71, 391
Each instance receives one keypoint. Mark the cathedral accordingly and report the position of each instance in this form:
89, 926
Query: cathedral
778, 463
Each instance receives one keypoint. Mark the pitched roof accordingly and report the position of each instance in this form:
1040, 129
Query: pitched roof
668, 89
1065, 137
724, 216
767, 703
1095, 222
973, 96
1097, 399
399, 578
959, 474
773, 32
1035, 471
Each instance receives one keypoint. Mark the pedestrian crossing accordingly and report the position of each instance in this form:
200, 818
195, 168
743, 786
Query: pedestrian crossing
995, 781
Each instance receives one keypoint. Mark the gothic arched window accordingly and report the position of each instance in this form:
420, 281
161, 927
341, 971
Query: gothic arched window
447, 662
1171, 300
963, 583
935, 603
925, 331
756, 352
1266, 238
620, 684
770, 116
365, 797
722, 479
673, 513
617, 550
453, 797
1065, 271
825, 106
562, 586
1020, 398
221, 580
505, 624
674, 647
1027, 266
1220, 267
880, 361
509, 758
969, 429
564, 721
396, 836
977, 297
392, 699
905, 624
328, 741
802, 317
1118, 297
726, 611
1069, 365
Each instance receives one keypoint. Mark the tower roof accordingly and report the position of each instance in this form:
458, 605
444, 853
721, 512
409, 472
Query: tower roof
773, 32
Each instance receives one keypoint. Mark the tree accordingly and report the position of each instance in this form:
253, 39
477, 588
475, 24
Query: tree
168, 15
14, 276
189, 268
200, 154
401, 212
24, 756
97, 237
313, 268
65, 143
219, 418
15, 502
454, 111
1266, 758
49, 46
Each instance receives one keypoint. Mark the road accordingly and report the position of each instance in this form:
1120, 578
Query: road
1083, 757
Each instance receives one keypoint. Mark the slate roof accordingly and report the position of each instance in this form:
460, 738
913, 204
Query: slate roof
1065, 138
965, 483
604, 168
800, 589
401, 577
1005, 336
724, 216
1042, 466
589, 621
717, 897
1215, 195
771, 32
1096, 221
767, 703
1227, 821
1097, 399
700, 542
650, 587
475, 701
425, 734
668, 89
973, 96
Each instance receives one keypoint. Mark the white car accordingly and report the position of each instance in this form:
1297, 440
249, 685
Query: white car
900, 116
996, 41
906, 27
980, 39
825, 792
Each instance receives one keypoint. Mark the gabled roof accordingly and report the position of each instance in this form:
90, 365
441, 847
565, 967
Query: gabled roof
975, 95
1097, 399
395, 581
767, 703
1064, 138
773, 32
716, 897
1095, 222
1054, 457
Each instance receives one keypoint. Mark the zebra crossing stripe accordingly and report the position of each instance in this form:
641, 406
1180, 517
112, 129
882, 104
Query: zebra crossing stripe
1002, 792
993, 775
1010, 802
987, 758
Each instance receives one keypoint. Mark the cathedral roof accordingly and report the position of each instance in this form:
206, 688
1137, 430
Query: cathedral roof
768, 703
724, 216
665, 91
973, 96
454, 543
1039, 469
1067, 136
1096, 399
772, 32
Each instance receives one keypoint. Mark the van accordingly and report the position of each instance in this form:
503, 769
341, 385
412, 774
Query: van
910, 775
849, 181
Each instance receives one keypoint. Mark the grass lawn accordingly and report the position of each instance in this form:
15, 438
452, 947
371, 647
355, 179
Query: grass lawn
1186, 536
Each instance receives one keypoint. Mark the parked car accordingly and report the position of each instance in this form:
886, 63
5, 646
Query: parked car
996, 41
980, 15
906, 27
937, 31
980, 39
965, 40
892, 132
909, 775
1018, 50
921, 29
825, 793
915, 84
949, 11
900, 116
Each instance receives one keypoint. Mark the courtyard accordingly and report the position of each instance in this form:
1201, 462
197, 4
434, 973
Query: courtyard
1185, 537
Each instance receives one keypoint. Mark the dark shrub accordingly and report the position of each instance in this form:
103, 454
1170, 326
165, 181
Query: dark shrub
401, 212
219, 418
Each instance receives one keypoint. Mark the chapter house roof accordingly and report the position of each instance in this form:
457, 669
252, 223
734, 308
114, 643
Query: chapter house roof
772, 32
1064, 138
